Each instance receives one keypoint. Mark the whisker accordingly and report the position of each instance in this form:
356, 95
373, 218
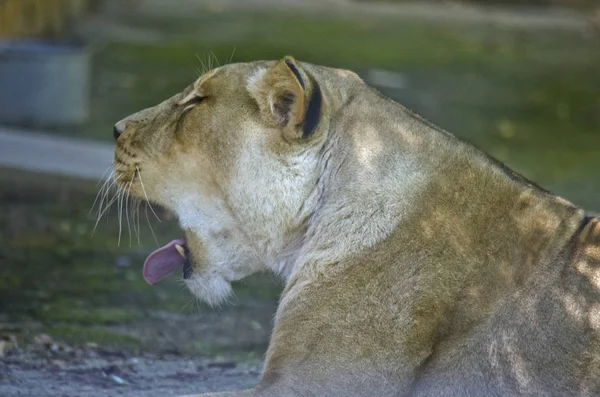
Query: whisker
204, 68
104, 198
215, 58
134, 213
104, 174
145, 194
98, 195
120, 208
232, 54
127, 207
101, 191
104, 208
181, 282
149, 224
185, 305
137, 216
198, 308
106, 189
108, 206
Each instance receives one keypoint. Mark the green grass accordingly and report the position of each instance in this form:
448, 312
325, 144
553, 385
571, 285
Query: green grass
56, 278
81, 312
80, 335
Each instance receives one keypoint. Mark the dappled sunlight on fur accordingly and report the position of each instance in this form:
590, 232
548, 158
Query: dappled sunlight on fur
414, 264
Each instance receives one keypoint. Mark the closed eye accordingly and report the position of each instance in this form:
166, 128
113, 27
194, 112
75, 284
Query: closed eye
195, 100
191, 102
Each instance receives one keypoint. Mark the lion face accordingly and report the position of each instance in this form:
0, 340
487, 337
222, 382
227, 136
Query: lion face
236, 156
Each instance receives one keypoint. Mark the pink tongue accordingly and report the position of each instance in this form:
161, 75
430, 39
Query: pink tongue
163, 262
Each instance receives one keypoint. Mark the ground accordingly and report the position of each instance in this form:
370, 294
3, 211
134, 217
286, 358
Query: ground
76, 317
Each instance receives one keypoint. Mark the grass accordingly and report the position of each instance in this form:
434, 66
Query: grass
81, 334
57, 279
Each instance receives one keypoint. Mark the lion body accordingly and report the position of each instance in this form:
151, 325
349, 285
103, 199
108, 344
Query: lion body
415, 265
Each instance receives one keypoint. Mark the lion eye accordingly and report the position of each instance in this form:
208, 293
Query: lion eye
191, 102
195, 100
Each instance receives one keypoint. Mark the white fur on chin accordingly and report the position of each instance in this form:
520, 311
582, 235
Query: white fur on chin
212, 289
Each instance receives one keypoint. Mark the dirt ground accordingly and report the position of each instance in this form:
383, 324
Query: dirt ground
96, 372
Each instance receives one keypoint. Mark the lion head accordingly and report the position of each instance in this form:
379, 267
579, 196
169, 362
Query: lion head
237, 156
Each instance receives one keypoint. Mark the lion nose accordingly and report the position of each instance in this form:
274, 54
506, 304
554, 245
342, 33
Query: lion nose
118, 129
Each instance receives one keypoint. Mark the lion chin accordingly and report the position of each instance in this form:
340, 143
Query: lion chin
414, 264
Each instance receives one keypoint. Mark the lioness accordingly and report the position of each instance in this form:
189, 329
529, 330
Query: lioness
414, 264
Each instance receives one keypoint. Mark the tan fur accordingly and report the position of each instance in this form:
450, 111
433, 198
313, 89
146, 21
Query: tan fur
414, 264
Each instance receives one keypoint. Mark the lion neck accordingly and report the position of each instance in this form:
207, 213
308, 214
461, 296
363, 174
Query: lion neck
404, 182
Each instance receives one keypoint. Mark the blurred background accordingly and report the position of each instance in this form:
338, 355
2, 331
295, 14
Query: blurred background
518, 78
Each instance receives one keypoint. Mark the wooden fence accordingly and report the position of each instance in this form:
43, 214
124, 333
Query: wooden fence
37, 18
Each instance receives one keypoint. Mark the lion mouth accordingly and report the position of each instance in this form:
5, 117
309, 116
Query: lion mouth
165, 260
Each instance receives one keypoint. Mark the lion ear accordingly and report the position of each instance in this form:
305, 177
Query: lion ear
281, 94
